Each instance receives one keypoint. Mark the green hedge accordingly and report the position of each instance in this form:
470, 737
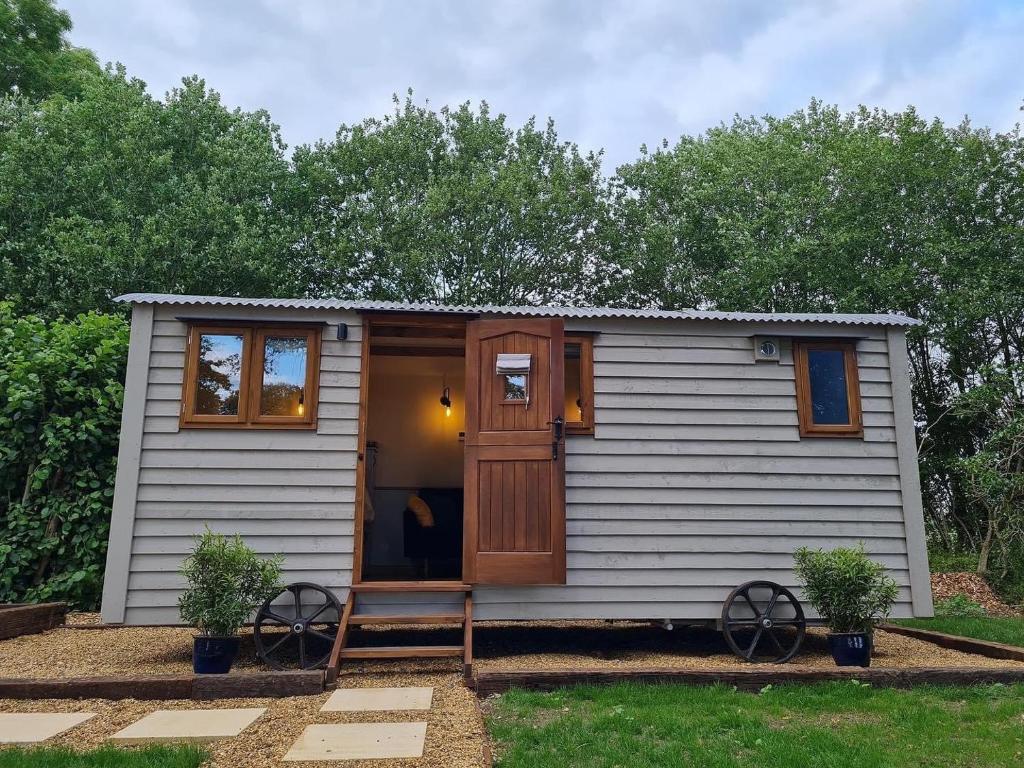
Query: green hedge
60, 412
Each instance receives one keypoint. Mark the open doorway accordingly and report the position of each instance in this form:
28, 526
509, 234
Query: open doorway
415, 420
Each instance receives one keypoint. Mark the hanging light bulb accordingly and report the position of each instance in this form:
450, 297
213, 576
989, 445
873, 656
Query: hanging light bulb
302, 403
446, 400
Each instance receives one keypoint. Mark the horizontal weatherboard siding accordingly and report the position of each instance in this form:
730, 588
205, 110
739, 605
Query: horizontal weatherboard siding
286, 492
695, 480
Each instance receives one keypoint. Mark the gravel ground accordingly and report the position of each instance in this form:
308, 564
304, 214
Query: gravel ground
82, 619
524, 645
455, 731
109, 651
622, 645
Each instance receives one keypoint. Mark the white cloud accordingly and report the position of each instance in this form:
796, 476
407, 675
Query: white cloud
613, 74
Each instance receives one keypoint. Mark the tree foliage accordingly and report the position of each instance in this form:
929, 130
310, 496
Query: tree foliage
993, 474
36, 59
117, 191
60, 413
452, 206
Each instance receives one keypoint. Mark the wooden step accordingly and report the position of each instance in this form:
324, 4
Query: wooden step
412, 586
438, 618
401, 652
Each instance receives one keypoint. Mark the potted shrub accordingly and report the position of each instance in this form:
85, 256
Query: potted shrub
851, 593
227, 582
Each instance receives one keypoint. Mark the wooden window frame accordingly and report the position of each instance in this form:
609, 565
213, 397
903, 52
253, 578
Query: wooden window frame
251, 378
586, 343
855, 427
308, 419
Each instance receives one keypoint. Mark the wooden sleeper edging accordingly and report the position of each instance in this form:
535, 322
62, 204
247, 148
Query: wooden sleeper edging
959, 642
197, 687
24, 619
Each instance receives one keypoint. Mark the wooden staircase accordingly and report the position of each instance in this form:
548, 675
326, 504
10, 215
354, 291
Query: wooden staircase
352, 618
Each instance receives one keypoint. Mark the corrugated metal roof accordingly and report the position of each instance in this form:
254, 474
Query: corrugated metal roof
486, 309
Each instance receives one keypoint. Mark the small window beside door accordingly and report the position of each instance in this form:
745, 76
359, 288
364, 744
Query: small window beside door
827, 389
251, 377
579, 385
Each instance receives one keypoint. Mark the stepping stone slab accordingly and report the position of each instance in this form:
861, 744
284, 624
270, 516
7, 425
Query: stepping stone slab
378, 699
33, 727
358, 741
196, 725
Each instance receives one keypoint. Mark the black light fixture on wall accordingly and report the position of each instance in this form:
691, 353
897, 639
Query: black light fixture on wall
446, 400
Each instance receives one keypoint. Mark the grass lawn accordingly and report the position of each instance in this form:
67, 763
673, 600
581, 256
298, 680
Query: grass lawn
998, 629
183, 756
829, 725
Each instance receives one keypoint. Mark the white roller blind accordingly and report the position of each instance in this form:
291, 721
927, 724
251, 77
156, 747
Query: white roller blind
509, 362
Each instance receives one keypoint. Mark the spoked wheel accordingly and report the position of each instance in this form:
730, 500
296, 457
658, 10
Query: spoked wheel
296, 629
763, 622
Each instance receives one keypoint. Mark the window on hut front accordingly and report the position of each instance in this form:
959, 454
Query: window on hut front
828, 389
250, 377
219, 374
283, 376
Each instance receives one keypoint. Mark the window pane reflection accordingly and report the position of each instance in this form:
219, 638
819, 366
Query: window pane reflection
219, 376
515, 386
284, 376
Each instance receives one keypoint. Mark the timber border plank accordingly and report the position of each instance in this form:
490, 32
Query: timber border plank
197, 687
959, 642
18, 619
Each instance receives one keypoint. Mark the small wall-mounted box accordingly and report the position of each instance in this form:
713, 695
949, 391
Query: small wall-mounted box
767, 349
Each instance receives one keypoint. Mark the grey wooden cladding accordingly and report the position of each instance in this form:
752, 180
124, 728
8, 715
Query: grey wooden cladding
696, 478
126, 484
286, 492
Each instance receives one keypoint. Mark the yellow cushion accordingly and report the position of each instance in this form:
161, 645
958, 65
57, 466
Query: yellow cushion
421, 509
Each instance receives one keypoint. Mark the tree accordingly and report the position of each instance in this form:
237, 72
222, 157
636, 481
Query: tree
117, 191
452, 206
36, 59
993, 475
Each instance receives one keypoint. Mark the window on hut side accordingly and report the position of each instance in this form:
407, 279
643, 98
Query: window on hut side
251, 377
828, 389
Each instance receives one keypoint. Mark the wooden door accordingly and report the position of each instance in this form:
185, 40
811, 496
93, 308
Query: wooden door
515, 454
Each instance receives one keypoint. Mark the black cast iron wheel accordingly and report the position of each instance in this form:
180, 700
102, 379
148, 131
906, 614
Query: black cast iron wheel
763, 622
308, 632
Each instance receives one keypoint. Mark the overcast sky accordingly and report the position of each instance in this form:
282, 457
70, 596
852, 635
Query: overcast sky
613, 75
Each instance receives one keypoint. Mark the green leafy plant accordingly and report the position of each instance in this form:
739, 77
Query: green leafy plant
959, 605
60, 412
850, 591
227, 581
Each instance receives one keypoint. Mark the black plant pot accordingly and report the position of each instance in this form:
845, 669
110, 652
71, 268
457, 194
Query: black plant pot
214, 655
850, 649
